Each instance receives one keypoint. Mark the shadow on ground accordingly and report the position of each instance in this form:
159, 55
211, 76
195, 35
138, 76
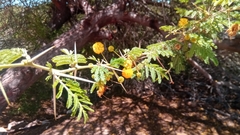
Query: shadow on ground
189, 107
129, 114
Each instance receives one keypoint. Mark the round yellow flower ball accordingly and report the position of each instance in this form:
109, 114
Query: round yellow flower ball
186, 37
120, 79
183, 22
98, 47
128, 64
127, 73
139, 75
111, 48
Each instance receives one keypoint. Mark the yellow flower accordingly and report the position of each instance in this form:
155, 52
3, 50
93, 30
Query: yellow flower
193, 40
183, 22
186, 37
110, 48
120, 79
128, 64
232, 31
127, 73
98, 47
139, 75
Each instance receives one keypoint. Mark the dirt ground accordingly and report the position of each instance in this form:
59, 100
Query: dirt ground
190, 106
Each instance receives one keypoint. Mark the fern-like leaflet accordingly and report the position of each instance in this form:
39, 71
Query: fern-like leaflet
77, 98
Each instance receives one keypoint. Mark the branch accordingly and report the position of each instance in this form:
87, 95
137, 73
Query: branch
201, 70
206, 75
60, 14
86, 6
16, 80
232, 45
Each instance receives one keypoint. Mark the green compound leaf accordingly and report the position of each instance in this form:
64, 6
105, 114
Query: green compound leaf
79, 116
77, 99
8, 56
204, 53
88, 108
49, 65
163, 49
153, 74
85, 101
117, 62
100, 73
156, 72
92, 58
85, 116
60, 91
48, 78
69, 101
94, 86
66, 51
54, 85
75, 103
178, 63
135, 52
68, 59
